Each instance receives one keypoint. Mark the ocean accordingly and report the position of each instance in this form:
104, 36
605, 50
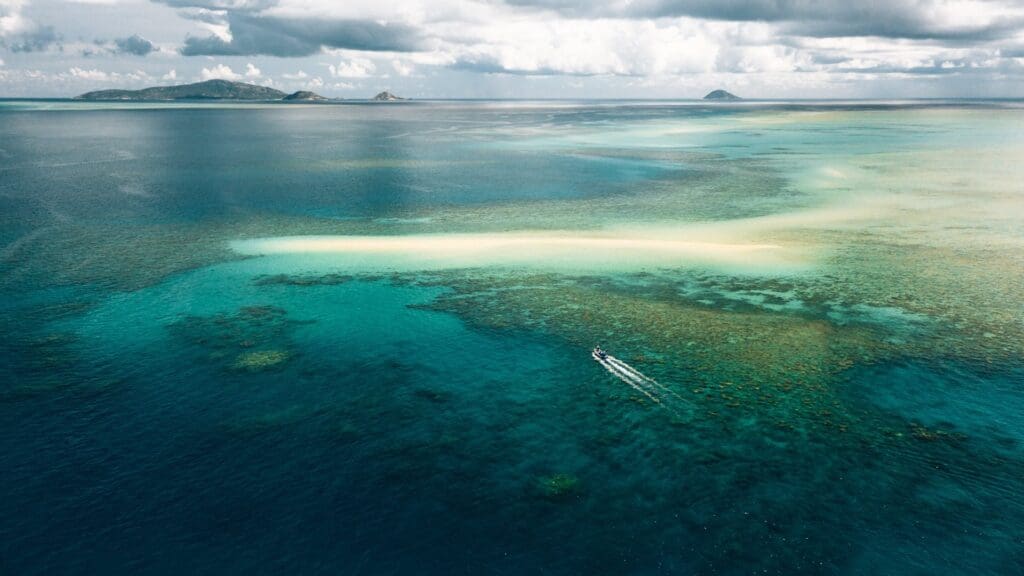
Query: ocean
356, 338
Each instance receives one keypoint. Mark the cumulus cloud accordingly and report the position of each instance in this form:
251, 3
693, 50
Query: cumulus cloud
566, 47
479, 47
224, 72
91, 74
18, 33
354, 68
97, 76
636, 38
134, 44
219, 72
402, 68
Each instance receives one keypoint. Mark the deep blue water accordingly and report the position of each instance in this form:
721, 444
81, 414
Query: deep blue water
169, 407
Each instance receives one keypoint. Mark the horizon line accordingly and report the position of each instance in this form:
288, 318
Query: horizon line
538, 99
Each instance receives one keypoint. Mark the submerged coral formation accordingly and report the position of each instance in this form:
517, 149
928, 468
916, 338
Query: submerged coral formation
260, 360
558, 485
254, 339
302, 280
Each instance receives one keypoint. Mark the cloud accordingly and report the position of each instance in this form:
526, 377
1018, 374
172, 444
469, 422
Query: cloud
171, 75
624, 48
402, 68
223, 4
19, 33
354, 68
568, 47
94, 75
37, 39
91, 74
134, 44
964, 20
219, 72
250, 34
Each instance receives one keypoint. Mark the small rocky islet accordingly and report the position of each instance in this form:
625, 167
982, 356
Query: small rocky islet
305, 96
721, 95
386, 96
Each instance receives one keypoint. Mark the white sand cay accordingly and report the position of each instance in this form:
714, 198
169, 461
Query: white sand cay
617, 249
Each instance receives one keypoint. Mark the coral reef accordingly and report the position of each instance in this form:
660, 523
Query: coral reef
260, 360
299, 280
254, 339
558, 486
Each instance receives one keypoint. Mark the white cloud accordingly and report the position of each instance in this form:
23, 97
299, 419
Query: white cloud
354, 68
597, 47
94, 75
11, 19
659, 48
402, 68
219, 72
91, 74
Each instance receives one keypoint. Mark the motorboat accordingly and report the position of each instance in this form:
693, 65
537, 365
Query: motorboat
598, 354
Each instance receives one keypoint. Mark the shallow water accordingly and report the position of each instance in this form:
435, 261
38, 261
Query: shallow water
355, 338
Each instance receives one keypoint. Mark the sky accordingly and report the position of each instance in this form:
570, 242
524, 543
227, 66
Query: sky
521, 48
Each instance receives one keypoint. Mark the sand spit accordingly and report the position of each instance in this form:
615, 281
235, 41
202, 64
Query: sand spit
547, 250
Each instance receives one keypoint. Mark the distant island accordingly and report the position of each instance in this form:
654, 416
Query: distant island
305, 96
215, 90
386, 96
721, 95
209, 90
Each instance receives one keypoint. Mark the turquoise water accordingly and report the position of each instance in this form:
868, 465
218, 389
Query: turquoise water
829, 296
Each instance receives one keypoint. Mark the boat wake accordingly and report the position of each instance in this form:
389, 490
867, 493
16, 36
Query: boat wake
649, 387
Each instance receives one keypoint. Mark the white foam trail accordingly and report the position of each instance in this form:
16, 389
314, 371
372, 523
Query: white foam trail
627, 368
629, 380
641, 376
638, 384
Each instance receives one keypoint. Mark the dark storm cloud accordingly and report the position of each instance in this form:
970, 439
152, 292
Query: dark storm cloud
134, 44
910, 19
906, 28
253, 34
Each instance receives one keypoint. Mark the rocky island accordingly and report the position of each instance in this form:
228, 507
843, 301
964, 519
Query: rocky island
386, 96
305, 96
721, 95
